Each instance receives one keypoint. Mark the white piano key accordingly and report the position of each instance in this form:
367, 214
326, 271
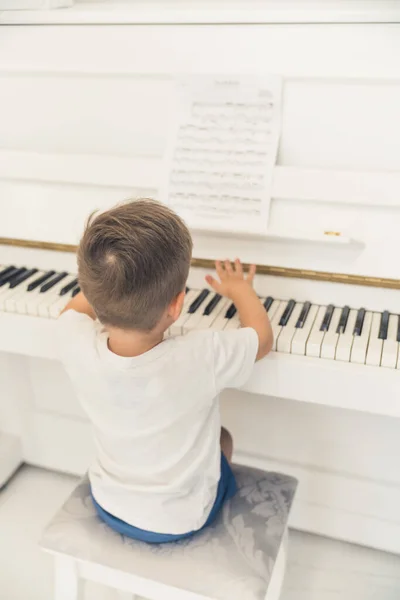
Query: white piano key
233, 323
221, 321
8, 293
276, 328
57, 306
314, 342
206, 321
360, 342
273, 309
10, 303
176, 328
346, 339
194, 320
284, 343
299, 341
375, 345
46, 299
390, 348
331, 338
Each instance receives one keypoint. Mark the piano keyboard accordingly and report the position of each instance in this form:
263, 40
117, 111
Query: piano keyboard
300, 328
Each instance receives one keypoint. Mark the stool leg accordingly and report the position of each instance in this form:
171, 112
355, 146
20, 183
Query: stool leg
67, 585
276, 582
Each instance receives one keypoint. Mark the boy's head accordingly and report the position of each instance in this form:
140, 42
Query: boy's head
133, 263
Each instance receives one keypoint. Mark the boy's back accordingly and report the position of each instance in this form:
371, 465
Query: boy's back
153, 403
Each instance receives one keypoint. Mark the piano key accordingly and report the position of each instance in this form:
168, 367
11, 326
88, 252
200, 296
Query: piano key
49, 284
275, 320
284, 343
68, 287
6, 270
267, 303
76, 291
212, 304
346, 339
40, 280
360, 341
331, 338
287, 313
198, 301
374, 352
10, 295
22, 277
303, 315
176, 328
384, 324
61, 302
314, 342
196, 317
8, 277
358, 327
390, 348
299, 341
398, 331
207, 321
326, 321
233, 323
232, 310
341, 328
38, 303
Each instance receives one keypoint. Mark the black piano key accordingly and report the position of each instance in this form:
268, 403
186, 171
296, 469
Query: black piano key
22, 277
344, 317
383, 328
326, 321
6, 271
287, 312
303, 315
212, 304
53, 282
398, 329
197, 301
75, 291
268, 302
187, 289
68, 287
12, 274
232, 310
34, 284
358, 326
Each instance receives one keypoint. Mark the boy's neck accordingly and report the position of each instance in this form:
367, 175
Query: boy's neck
132, 343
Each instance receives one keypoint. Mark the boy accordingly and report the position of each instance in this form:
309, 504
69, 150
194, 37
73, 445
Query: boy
160, 473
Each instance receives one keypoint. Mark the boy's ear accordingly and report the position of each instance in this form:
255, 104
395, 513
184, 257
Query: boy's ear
175, 308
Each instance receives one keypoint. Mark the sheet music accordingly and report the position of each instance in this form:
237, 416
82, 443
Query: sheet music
222, 150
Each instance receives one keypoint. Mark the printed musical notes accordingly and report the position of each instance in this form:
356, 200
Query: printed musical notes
222, 150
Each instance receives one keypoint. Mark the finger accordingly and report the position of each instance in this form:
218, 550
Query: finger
252, 272
219, 268
228, 267
213, 282
238, 267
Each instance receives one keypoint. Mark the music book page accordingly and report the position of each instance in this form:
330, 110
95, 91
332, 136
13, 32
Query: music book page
221, 152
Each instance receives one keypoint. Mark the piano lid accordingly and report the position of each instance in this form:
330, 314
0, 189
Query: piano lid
86, 130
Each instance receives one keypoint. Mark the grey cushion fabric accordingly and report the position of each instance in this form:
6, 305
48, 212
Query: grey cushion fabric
232, 559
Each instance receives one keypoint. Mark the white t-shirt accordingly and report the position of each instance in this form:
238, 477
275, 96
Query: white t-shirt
155, 419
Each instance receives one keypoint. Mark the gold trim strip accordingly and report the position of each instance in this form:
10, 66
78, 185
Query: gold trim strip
379, 282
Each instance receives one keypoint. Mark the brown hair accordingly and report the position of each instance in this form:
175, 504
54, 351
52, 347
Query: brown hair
133, 260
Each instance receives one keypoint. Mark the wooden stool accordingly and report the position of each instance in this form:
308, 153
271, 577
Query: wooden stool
240, 557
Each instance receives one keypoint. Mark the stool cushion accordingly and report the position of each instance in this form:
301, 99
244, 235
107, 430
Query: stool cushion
232, 559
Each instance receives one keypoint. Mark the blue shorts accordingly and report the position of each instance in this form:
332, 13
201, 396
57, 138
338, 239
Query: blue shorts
226, 489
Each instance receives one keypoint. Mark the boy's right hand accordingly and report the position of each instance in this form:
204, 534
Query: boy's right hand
232, 279
239, 289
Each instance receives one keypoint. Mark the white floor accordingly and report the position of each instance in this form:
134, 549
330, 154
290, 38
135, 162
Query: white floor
319, 569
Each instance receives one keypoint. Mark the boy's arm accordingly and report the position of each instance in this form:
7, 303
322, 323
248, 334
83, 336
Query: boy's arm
80, 305
251, 312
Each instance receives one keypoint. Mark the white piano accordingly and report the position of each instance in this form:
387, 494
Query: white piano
88, 108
